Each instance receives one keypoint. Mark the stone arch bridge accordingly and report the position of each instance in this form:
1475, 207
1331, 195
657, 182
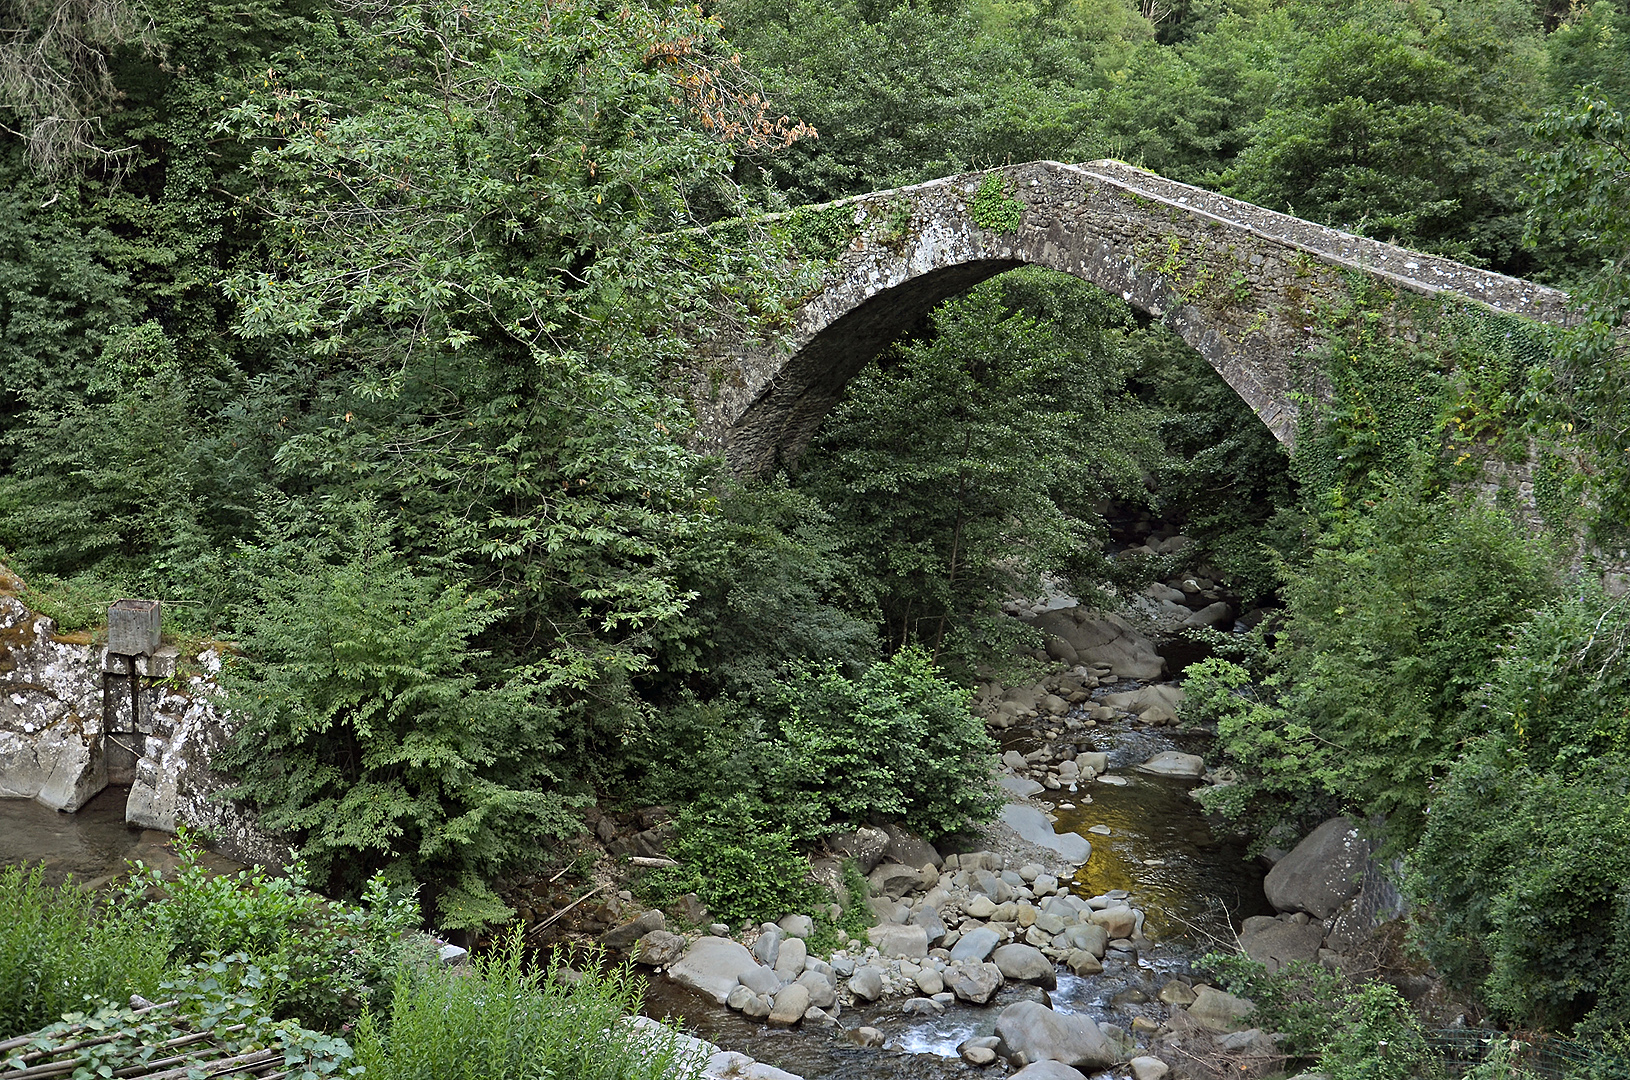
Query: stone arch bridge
1237, 282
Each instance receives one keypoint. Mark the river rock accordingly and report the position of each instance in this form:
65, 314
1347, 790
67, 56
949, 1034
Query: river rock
865, 845
791, 1002
1082, 963
760, 980
1118, 922
659, 948
1321, 873
909, 848
1021, 786
798, 926
1164, 697
712, 966
1103, 639
894, 880
739, 997
822, 991
623, 936
1032, 825
1173, 763
1218, 1011
979, 906
896, 940
1047, 1070
1093, 760
866, 983
790, 964
974, 983
1177, 993
1281, 942
1041, 1034
768, 946
1026, 964
1148, 1068
1088, 936
928, 917
1210, 615
929, 981
975, 945
759, 1007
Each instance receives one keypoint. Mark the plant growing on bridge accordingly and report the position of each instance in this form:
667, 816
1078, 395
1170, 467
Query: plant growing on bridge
993, 208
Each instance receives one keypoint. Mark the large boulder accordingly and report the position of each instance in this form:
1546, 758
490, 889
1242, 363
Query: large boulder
1041, 1034
973, 983
1032, 825
1025, 964
866, 983
975, 945
893, 939
1163, 696
1321, 873
1216, 1010
712, 966
1099, 638
1277, 942
909, 848
865, 845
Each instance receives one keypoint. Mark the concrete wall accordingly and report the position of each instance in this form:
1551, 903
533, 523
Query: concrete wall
58, 748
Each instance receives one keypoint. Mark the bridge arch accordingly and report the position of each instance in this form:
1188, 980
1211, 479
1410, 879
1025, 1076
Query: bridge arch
1238, 283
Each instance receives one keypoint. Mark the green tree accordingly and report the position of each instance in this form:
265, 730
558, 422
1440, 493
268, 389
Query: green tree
1577, 193
371, 728
1391, 625
1520, 873
1405, 122
967, 464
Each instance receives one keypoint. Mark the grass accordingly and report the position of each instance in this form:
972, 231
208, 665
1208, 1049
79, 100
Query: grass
499, 1021
57, 950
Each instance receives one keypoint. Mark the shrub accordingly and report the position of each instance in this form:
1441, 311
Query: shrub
742, 866
370, 725
500, 1021
326, 958
57, 949
899, 742
1520, 875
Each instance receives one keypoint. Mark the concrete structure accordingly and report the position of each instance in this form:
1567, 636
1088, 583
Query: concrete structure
1239, 283
59, 747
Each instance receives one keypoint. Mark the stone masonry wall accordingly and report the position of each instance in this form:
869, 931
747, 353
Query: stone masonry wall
1238, 282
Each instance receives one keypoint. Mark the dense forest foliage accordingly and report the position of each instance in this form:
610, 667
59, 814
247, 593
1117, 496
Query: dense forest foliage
346, 328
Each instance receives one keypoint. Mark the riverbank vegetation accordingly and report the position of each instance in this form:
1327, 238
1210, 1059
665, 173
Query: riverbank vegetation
351, 331
260, 962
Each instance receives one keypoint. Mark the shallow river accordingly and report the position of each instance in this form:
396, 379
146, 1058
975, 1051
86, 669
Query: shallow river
1193, 886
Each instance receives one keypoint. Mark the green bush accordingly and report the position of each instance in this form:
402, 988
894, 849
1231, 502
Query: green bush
58, 949
1391, 626
505, 1020
1520, 875
744, 867
900, 742
371, 726
325, 958
1357, 1032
